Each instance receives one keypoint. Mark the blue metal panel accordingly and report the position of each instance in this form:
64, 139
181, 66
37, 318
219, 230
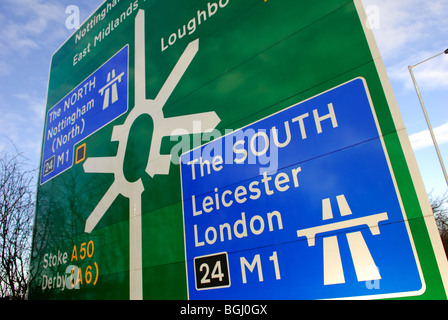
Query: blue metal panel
311, 213
99, 99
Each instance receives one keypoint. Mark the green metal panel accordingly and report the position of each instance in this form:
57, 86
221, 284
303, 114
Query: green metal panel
254, 58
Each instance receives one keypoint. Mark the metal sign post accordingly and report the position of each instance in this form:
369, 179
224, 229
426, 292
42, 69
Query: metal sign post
439, 155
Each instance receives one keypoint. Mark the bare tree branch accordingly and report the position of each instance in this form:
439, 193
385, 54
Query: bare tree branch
16, 218
440, 209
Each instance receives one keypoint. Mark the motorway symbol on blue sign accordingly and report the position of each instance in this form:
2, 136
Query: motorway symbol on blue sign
99, 99
299, 205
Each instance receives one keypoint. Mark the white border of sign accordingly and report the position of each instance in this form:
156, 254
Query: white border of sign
431, 225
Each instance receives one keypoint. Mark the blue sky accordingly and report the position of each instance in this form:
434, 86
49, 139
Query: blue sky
407, 32
30, 32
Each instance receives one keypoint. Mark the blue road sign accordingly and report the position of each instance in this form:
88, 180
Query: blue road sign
99, 99
299, 205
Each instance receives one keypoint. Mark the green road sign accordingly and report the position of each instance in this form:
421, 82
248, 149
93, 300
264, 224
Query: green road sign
142, 82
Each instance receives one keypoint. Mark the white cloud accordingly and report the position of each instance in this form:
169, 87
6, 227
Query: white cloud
22, 123
28, 25
35, 105
5, 69
422, 139
406, 25
394, 31
411, 31
431, 75
30, 31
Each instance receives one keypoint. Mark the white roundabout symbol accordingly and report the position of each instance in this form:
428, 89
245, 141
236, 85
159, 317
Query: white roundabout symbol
157, 164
